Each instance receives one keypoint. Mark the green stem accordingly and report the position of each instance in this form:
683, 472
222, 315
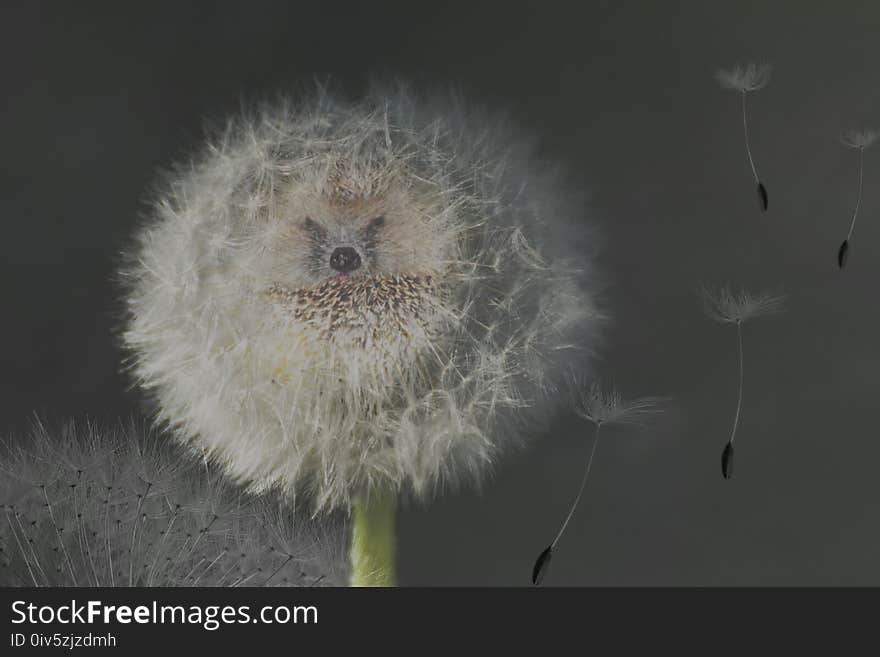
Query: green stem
372, 540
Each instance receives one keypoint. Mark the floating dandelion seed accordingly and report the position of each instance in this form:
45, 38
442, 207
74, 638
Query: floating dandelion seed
726, 307
751, 77
746, 79
860, 140
119, 508
601, 407
350, 300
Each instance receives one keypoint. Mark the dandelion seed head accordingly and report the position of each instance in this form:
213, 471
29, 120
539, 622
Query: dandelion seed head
724, 305
338, 295
859, 139
750, 77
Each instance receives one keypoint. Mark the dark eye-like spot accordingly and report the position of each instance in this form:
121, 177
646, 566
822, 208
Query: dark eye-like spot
316, 231
316, 244
371, 231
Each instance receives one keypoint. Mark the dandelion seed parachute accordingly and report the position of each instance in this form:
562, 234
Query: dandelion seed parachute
601, 407
340, 297
121, 507
746, 79
859, 140
727, 307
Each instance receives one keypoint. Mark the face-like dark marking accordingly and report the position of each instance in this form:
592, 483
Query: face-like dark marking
319, 243
370, 234
323, 247
317, 232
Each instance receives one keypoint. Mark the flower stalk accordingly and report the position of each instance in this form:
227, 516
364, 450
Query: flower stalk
373, 541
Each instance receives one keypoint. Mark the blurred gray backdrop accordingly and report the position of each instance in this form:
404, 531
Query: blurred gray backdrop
97, 97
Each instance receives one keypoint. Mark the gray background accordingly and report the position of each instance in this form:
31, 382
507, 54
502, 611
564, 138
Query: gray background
94, 101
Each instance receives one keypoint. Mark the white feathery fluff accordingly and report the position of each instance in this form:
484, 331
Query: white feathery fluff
751, 77
341, 294
120, 506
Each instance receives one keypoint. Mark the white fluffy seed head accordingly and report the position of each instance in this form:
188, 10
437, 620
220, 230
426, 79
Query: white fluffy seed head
339, 295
